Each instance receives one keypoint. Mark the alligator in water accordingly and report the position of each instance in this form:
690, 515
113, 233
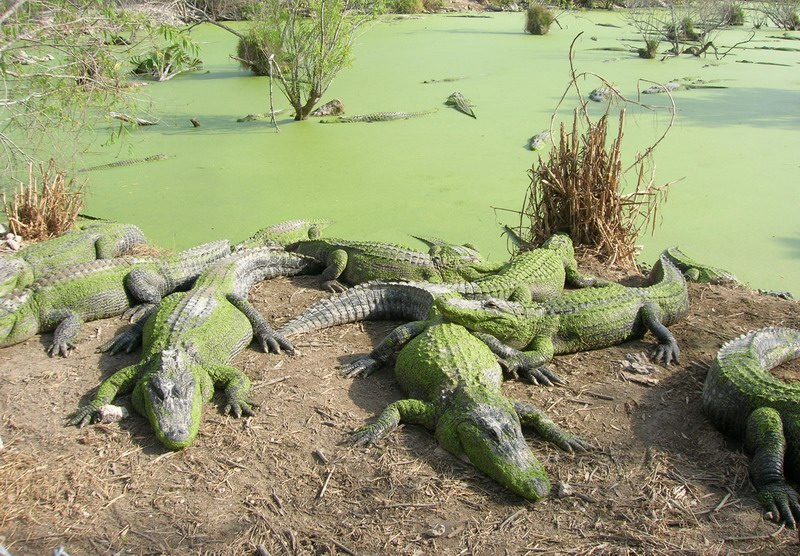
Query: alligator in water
124, 163
377, 117
457, 101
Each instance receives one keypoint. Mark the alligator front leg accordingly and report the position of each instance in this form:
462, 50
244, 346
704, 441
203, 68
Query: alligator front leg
64, 335
384, 351
148, 286
577, 280
270, 340
765, 439
415, 412
120, 382
237, 389
528, 365
337, 263
533, 417
667, 350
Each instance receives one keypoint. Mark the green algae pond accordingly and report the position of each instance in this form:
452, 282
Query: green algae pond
732, 152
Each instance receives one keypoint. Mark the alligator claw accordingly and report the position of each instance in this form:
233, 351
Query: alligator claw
83, 416
136, 312
364, 436
60, 348
363, 366
334, 286
275, 342
666, 353
521, 366
572, 443
237, 408
781, 503
127, 340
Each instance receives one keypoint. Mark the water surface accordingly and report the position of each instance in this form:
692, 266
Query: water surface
734, 150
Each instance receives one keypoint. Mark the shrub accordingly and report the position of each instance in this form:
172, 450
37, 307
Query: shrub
732, 13
253, 52
406, 6
538, 20
432, 6
40, 213
650, 49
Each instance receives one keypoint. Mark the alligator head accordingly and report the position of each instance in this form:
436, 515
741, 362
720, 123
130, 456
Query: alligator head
172, 400
488, 434
507, 321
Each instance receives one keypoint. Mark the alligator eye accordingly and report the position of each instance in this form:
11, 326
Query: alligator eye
496, 433
490, 304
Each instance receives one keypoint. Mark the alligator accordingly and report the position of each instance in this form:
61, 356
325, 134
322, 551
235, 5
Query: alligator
377, 117
355, 262
127, 162
699, 272
746, 402
678, 86
578, 320
455, 382
188, 344
457, 101
285, 233
539, 140
535, 275
93, 240
97, 290
601, 94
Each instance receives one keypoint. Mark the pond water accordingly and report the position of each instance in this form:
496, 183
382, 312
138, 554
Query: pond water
733, 152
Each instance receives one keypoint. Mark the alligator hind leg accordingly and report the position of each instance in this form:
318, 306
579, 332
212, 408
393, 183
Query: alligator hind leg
64, 336
667, 350
337, 263
766, 441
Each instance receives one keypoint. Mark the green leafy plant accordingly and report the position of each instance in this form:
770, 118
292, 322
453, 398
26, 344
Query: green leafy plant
178, 54
538, 19
406, 6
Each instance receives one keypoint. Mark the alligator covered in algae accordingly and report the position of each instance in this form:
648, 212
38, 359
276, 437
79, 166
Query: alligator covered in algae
746, 402
127, 162
91, 241
457, 101
97, 290
455, 382
377, 117
695, 271
354, 262
188, 344
286, 233
579, 320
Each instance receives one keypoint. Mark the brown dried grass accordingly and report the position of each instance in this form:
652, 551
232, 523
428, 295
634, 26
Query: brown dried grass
38, 213
579, 189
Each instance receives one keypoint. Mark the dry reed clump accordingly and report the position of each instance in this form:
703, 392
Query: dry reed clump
579, 190
40, 213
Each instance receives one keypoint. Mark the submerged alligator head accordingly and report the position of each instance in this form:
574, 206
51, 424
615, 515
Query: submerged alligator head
488, 434
172, 399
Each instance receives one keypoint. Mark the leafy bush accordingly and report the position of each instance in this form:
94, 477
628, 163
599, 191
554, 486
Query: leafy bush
253, 52
432, 6
406, 6
650, 49
177, 54
732, 13
538, 20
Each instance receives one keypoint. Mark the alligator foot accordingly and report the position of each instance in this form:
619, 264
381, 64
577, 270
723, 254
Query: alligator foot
521, 366
781, 503
666, 353
363, 366
334, 286
83, 416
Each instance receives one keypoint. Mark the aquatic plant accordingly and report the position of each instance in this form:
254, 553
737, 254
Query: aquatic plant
580, 188
175, 55
650, 49
782, 13
732, 13
36, 212
538, 19
253, 52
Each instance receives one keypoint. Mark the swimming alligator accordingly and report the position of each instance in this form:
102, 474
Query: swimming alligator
745, 401
92, 240
97, 290
188, 344
377, 117
457, 101
127, 162
455, 382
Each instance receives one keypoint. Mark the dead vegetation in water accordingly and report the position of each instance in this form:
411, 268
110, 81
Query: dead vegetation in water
581, 188
37, 212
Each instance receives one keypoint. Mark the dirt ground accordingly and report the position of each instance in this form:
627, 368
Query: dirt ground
660, 480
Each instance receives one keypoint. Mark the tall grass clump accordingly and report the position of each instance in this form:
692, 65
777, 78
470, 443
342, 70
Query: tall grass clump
40, 212
538, 19
579, 190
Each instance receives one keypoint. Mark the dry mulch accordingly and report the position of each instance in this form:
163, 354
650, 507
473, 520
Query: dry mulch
660, 481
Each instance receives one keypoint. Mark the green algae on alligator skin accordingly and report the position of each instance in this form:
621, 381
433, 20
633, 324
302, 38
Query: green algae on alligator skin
378, 117
127, 162
91, 241
188, 344
745, 401
454, 382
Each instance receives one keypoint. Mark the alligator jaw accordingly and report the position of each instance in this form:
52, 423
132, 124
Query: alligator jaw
173, 402
492, 439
